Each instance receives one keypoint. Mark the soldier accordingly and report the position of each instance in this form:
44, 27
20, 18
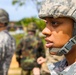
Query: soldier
60, 32
29, 49
7, 43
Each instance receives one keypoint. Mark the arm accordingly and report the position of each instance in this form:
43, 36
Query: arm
40, 49
40, 53
36, 70
19, 52
10, 47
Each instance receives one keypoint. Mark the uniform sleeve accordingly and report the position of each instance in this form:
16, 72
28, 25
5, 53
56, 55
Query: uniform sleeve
18, 49
41, 49
9, 51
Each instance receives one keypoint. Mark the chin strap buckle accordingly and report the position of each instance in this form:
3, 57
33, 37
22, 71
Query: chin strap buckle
67, 47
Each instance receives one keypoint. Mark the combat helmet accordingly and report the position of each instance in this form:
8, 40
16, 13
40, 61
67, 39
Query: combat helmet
31, 27
4, 17
60, 8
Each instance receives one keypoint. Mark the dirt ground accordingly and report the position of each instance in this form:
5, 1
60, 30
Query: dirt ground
14, 69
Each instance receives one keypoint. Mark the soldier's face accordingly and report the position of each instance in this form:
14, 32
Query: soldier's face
58, 31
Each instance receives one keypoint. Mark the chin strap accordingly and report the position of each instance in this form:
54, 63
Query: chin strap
67, 47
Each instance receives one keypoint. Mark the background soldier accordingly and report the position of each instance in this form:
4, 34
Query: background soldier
7, 44
29, 49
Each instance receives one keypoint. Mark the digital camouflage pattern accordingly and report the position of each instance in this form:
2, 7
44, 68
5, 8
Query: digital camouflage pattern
4, 17
50, 59
31, 47
7, 48
62, 68
58, 8
70, 70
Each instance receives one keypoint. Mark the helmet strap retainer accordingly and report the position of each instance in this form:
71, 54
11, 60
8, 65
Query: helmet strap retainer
67, 47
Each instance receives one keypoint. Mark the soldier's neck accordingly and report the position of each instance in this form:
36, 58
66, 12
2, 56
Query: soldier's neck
71, 56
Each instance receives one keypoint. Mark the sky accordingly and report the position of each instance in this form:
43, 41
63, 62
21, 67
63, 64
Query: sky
17, 13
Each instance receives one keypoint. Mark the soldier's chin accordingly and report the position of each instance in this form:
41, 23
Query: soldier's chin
53, 51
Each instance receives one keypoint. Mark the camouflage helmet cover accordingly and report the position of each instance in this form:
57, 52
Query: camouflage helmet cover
31, 27
4, 17
58, 8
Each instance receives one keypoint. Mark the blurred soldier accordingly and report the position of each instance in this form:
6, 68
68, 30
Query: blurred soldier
29, 49
7, 43
60, 32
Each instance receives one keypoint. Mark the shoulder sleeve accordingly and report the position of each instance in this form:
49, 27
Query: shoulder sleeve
10, 47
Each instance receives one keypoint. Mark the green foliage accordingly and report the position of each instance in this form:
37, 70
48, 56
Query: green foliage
40, 23
14, 2
18, 37
12, 29
26, 21
37, 3
19, 2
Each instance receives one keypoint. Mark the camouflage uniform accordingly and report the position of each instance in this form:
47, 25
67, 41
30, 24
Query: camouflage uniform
50, 59
30, 48
7, 48
62, 68
55, 9
7, 45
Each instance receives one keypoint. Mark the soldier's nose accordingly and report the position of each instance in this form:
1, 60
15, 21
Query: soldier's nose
46, 31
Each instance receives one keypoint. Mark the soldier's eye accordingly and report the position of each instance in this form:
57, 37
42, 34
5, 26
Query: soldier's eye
55, 23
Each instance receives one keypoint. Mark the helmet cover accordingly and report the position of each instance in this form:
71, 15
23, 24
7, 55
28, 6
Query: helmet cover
4, 17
